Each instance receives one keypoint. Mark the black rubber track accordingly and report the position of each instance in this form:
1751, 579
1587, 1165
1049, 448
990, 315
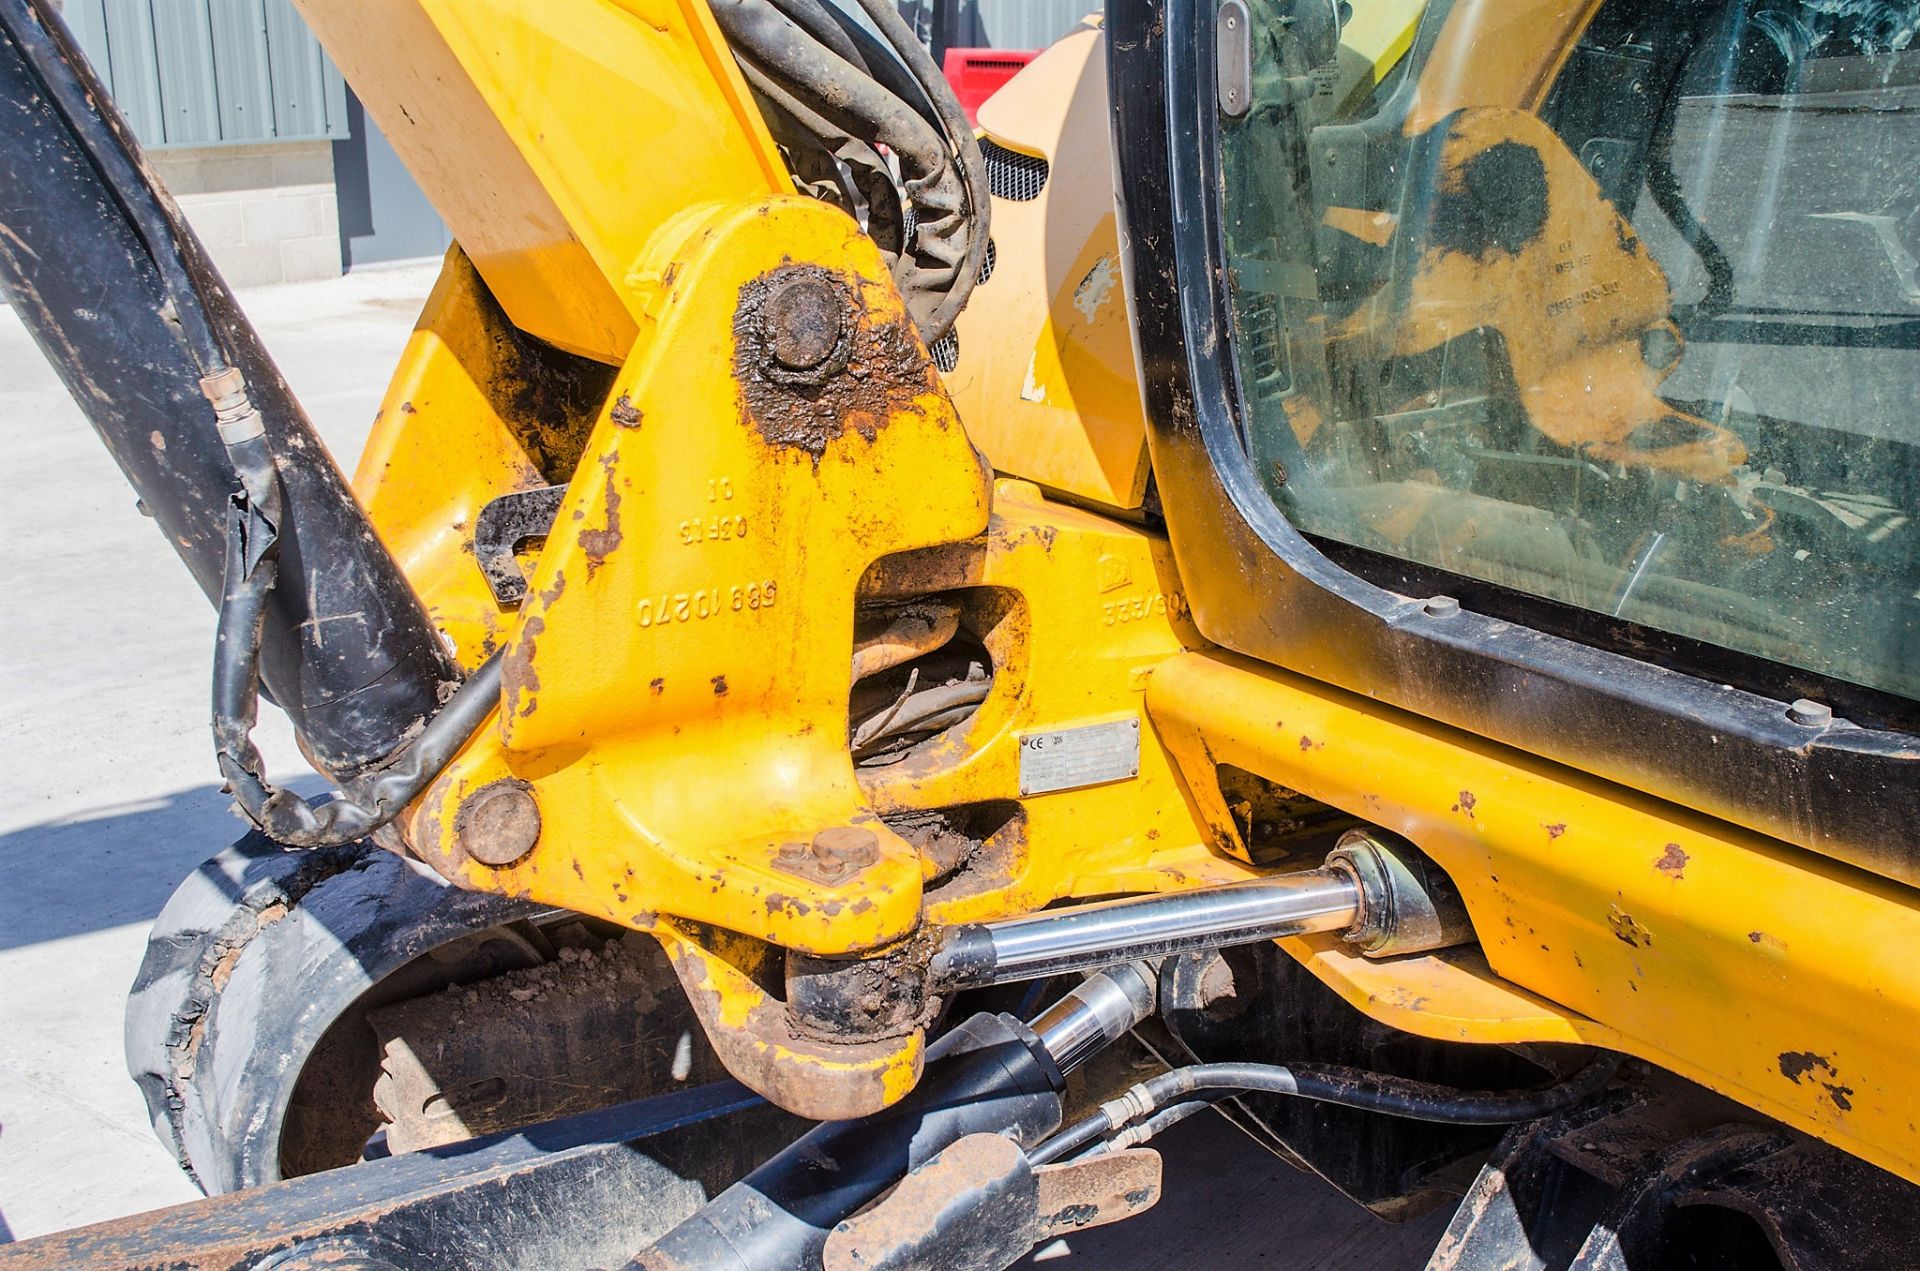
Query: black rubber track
254, 958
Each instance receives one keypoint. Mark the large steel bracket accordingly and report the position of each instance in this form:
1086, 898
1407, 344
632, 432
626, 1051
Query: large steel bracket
671, 741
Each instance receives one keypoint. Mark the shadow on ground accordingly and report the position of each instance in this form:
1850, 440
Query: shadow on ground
1229, 1202
114, 866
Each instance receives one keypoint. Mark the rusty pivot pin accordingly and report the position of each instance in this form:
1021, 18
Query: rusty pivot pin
500, 823
803, 319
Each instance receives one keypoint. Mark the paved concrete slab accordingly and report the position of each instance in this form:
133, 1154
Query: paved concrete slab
109, 796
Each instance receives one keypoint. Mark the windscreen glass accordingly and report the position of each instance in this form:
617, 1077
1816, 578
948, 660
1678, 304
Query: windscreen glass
1614, 304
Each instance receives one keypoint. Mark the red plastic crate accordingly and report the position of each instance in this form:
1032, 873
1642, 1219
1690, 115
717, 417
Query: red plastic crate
976, 74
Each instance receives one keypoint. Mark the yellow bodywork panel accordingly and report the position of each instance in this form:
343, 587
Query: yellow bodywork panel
676, 682
1775, 976
451, 436
1502, 53
1373, 39
544, 135
1076, 610
1045, 379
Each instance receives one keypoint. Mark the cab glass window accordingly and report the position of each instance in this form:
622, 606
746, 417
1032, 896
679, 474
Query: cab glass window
1616, 305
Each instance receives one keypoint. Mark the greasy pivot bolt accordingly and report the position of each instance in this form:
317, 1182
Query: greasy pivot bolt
804, 322
500, 823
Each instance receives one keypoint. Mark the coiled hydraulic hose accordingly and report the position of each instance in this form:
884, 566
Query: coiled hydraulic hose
1348, 1087
796, 55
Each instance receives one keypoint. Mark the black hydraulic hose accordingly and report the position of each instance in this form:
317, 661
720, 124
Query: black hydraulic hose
252, 565
944, 178
872, 54
1348, 1087
1095, 1125
885, 15
1389, 1095
824, 26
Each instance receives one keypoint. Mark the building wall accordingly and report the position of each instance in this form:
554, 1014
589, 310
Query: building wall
996, 24
244, 118
267, 212
237, 107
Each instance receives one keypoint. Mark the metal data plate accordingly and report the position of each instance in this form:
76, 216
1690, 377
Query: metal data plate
1075, 757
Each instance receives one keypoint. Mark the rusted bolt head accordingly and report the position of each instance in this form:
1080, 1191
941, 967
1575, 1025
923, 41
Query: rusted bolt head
832, 855
847, 846
1660, 347
500, 823
804, 321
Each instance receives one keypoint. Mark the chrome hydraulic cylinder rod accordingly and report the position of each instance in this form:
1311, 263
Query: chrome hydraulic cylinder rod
1099, 1011
1086, 937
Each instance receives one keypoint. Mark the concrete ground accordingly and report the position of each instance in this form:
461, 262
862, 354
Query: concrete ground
110, 795
109, 799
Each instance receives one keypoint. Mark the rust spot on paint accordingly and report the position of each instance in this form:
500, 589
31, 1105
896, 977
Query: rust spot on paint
1672, 861
719, 686
518, 678
599, 544
624, 412
657, 685
1795, 1064
1467, 800
1555, 830
1798, 1064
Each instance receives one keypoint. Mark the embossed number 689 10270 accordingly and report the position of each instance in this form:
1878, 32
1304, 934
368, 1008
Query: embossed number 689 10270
755, 595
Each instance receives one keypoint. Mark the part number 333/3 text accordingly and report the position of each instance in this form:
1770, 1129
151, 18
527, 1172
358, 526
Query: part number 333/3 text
1139, 608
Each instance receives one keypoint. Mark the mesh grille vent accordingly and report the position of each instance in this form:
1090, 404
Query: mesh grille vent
1012, 175
986, 266
946, 352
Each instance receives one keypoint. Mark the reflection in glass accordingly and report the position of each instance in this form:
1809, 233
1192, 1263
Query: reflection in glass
1623, 312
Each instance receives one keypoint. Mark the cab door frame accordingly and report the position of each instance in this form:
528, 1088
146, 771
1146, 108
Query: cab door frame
1445, 647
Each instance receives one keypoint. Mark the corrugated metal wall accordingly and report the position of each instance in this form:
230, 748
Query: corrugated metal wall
208, 72
998, 24
1027, 24
211, 72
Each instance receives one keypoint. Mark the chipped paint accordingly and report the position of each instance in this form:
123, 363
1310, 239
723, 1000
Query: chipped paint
1096, 287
